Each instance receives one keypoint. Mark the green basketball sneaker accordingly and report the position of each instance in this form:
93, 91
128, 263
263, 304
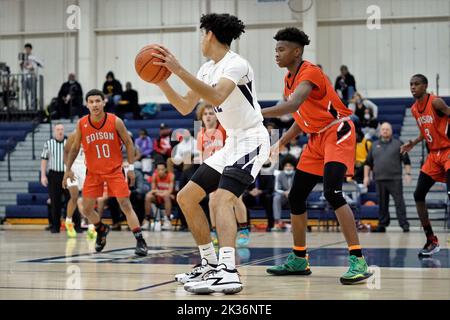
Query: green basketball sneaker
71, 233
293, 266
357, 271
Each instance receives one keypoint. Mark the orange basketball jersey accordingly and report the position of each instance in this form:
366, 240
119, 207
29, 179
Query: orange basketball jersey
101, 144
323, 105
210, 141
163, 183
432, 125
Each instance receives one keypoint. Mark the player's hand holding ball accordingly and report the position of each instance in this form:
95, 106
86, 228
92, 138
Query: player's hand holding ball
166, 59
145, 67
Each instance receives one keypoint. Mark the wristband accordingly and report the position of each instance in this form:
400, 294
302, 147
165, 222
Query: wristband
130, 167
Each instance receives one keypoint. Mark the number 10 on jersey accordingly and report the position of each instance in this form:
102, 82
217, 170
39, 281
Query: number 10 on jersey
103, 150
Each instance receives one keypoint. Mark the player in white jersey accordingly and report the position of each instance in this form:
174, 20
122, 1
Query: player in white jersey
75, 186
226, 82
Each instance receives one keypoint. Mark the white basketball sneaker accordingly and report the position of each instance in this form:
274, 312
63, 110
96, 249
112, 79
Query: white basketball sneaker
196, 274
221, 280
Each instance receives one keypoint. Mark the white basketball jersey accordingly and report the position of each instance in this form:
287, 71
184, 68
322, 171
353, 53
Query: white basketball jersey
240, 110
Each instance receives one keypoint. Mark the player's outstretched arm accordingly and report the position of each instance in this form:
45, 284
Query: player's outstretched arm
213, 95
300, 94
440, 105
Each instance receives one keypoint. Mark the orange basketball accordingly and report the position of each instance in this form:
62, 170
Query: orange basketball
145, 68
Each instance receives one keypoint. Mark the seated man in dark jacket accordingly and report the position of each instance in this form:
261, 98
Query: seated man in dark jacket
70, 98
129, 103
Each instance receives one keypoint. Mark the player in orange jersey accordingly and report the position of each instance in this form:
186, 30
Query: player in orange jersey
162, 192
102, 135
432, 116
330, 151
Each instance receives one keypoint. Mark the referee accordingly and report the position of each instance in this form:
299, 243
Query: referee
52, 157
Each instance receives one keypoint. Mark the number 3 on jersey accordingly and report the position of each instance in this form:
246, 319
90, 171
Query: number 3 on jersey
104, 151
428, 135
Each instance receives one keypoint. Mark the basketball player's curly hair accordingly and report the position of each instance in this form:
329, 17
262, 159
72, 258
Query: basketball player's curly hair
292, 35
224, 26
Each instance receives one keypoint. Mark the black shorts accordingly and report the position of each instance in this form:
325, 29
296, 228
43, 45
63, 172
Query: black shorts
210, 180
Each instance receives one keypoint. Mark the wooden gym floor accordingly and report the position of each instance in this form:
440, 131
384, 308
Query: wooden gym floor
35, 264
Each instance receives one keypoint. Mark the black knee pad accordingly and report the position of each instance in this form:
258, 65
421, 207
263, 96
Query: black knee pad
302, 186
297, 204
235, 180
334, 197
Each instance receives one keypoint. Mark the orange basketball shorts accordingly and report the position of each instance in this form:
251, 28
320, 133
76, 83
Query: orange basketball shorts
437, 164
116, 183
336, 144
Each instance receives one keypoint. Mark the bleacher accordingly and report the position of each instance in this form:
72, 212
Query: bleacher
11, 133
167, 115
33, 203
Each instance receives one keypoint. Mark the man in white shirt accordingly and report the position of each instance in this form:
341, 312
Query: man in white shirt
226, 81
30, 65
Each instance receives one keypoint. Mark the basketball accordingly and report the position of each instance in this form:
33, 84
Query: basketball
145, 68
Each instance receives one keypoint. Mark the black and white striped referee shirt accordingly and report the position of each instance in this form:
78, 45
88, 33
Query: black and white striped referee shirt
54, 153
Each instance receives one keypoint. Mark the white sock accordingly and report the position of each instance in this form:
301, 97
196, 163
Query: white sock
68, 220
207, 251
227, 257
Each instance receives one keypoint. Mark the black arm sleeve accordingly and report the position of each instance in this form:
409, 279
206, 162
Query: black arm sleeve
406, 160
